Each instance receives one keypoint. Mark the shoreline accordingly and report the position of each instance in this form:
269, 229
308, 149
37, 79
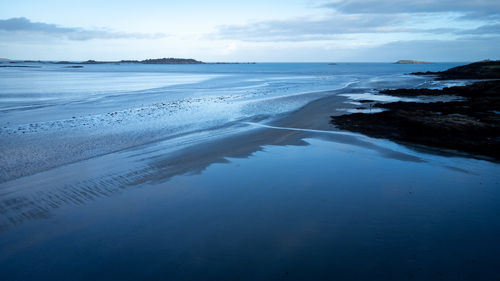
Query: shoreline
89, 141
470, 124
234, 128
314, 115
36, 195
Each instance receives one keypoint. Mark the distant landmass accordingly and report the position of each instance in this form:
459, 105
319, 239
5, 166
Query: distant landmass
3, 59
165, 61
151, 61
411, 62
148, 61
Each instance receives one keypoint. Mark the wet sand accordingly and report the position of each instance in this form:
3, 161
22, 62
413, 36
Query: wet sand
293, 199
34, 196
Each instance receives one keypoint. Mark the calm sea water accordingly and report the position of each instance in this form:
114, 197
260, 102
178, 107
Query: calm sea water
48, 92
137, 172
100, 109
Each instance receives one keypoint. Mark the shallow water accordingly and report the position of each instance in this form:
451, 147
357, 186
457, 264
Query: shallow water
220, 188
323, 210
51, 115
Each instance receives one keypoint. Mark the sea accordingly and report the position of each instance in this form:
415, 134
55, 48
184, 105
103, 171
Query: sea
183, 172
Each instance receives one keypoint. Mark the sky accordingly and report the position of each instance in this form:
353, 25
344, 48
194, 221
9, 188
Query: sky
251, 31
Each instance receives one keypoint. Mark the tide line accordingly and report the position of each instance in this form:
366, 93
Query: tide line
304, 130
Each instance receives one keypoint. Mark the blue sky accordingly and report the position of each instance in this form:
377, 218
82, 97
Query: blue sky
293, 30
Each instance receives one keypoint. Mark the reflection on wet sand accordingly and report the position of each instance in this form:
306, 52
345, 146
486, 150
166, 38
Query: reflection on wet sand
34, 197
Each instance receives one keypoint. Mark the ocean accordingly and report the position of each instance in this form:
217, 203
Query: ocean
99, 109
227, 172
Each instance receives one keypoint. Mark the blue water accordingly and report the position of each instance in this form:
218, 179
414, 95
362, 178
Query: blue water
52, 93
49, 85
325, 211
100, 109
172, 172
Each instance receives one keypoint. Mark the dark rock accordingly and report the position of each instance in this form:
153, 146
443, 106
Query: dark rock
471, 125
478, 70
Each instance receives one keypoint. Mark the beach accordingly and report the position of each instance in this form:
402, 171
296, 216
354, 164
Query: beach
224, 176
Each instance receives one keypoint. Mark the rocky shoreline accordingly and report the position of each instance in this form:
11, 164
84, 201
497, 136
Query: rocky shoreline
470, 124
487, 69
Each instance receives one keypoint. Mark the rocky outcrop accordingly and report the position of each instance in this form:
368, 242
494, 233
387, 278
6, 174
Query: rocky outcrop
470, 125
487, 69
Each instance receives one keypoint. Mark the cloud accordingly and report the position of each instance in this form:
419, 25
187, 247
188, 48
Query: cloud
303, 29
332, 27
461, 50
470, 7
231, 48
25, 29
425, 18
490, 29
435, 50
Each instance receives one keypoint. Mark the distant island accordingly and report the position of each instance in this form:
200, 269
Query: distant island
148, 61
6, 62
151, 61
411, 62
165, 61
